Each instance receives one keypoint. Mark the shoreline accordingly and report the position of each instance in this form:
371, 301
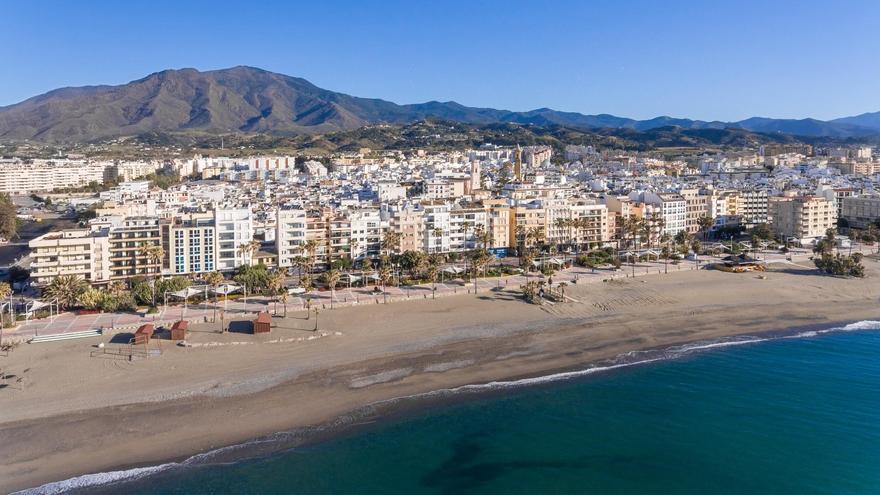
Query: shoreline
545, 342
389, 410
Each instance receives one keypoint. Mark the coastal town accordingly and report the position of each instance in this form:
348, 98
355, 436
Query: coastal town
296, 289
152, 230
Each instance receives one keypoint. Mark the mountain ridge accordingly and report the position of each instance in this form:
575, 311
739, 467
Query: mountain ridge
252, 100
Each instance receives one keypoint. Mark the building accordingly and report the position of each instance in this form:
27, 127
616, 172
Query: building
290, 234
752, 207
128, 239
189, 244
802, 218
49, 175
84, 253
859, 212
233, 229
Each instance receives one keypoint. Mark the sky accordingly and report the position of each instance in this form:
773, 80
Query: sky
709, 60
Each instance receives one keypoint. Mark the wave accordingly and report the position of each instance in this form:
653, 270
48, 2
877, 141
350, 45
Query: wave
91, 480
633, 358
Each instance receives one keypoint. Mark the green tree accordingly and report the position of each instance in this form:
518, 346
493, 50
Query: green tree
65, 290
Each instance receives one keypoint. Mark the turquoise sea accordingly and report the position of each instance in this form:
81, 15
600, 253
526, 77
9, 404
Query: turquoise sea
793, 414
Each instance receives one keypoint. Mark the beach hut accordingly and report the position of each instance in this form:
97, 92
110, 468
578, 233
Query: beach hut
178, 330
143, 334
263, 323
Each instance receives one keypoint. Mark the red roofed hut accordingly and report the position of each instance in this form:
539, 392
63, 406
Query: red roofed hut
143, 334
178, 330
263, 323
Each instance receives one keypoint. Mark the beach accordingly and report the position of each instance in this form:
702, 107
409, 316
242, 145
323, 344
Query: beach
80, 413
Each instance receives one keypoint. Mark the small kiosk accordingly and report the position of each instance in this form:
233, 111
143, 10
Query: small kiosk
178, 330
263, 323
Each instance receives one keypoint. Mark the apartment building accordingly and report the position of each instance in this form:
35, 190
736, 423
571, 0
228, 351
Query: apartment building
234, 228
84, 253
318, 232
409, 222
859, 212
437, 226
752, 207
697, 204
802, 218
671, 207
498, 225
339, 238
595, 231
48, 175
525, 218
189, 244
128, 239
464, 223
290, 234
367, 231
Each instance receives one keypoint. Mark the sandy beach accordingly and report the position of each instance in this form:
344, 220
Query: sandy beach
79, 413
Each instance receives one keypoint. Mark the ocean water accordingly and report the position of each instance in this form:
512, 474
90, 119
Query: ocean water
798, 414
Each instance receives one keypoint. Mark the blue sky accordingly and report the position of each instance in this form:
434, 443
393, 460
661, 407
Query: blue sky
707, 60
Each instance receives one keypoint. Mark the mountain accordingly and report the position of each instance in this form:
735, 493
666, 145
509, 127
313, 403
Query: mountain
869, 120
250, 100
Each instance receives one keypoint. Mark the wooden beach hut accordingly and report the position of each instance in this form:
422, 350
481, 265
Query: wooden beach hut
143, 334
179, 329
263, 323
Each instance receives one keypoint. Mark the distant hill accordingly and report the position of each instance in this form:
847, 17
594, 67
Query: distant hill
250, 100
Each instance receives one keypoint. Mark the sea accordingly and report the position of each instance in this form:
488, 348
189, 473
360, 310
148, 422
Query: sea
795, 412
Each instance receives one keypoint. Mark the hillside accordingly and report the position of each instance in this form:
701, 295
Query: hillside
248, 100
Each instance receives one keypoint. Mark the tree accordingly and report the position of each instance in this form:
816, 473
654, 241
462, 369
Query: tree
479, 261
331, 278
8, 218
154, 253
5, 293
526, 259
253, 278
214, 279
275, 284
248, 250
391, 242
65, 290
385, 274
761, 232
433, 271
90, 298
704, 223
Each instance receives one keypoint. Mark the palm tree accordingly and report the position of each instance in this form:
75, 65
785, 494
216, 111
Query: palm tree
154, 254
214, 279
705, 222
332, 277
433, 271
484, 238
479, 261
65, 290
311, 249
248, 250
116, 287
276, 285
391, 242
385, 274
526, 258
5, 293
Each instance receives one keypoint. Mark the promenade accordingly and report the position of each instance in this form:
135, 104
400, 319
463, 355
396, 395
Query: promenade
351, 296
